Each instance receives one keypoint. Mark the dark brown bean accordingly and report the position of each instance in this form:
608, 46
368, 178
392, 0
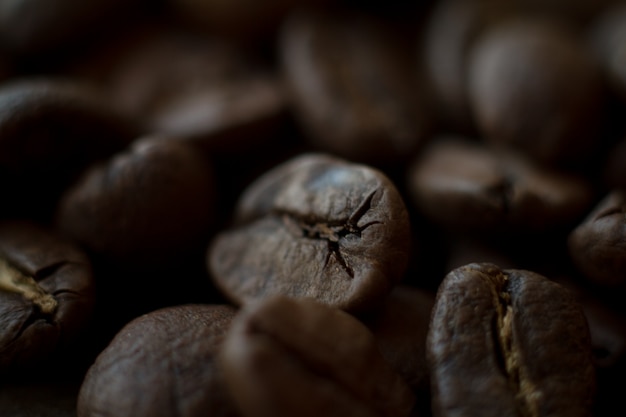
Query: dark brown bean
162, 364
465, 186
199, 88
288, 357
318, 227
534, 87
598, 245
46, 294
351, 87
508, 343
50, 130
145, 205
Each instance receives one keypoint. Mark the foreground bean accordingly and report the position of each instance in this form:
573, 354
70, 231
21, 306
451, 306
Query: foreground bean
508, 343
288, 357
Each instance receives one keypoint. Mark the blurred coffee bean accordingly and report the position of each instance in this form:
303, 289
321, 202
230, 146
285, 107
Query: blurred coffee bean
46, 295
29, 27
400, 327
598, 245
50, 130
534, 87
288, 357
451, 29
163, 363
608, 41
191, 87
146, 205
353, 86
466, 186
318, 227
508, 342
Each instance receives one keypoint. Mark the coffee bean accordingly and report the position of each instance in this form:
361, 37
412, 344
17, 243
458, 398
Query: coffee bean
351, 88
467, 186
198, 88
452, 28
146, 205
598, 245
534, 87
608, 37
46, 295
50, 130
316, 226
161, 364
508, 343
288, 357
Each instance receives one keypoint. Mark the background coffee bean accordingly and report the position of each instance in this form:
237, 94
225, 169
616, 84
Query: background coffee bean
181, 84
315, 226
608, 37
50, 130
598, 245
46, 295
467, 186
148, 204
287, 357
161, 364
352, 86
508, 342
535, 88
214, 79
452, 28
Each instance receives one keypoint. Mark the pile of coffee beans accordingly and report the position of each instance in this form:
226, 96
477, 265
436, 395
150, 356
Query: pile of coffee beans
314, 208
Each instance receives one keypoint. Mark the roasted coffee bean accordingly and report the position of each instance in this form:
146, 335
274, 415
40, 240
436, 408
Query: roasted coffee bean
451, 30
468, 186
534, 87
315, 226
46, 294
146, 205
508, 343
162, 364
190, 87
400, 327
608, 40
351, 87
50, 130
598, 245
289, 357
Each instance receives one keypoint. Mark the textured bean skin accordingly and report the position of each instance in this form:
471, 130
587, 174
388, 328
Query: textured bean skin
597, 246
161, 364
508, 343
316, 227
287, 357
33, 330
